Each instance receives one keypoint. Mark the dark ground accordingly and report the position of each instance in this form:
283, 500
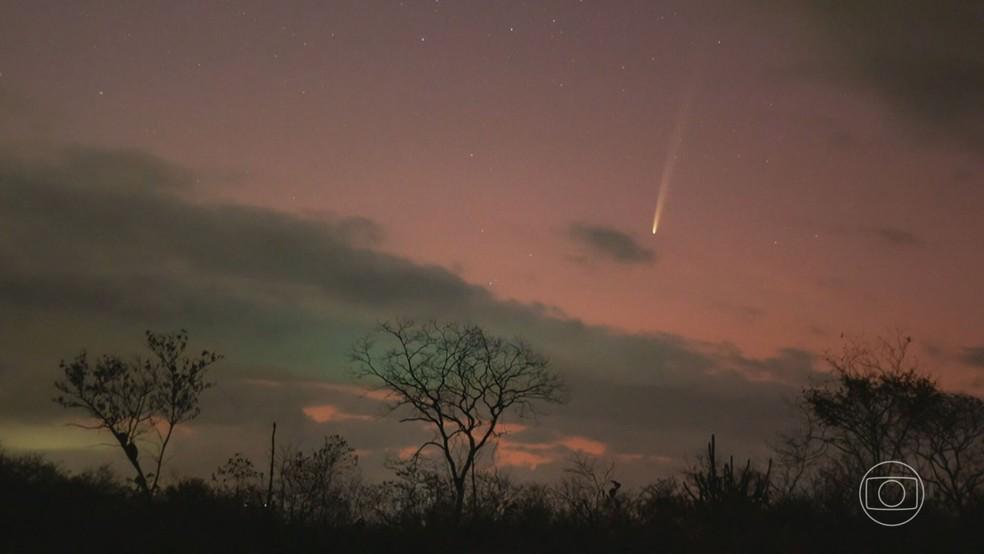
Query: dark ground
45, 510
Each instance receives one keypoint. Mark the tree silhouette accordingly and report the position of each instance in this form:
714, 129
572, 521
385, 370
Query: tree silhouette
419, 495
132, 399
951, 443
879, 406
238, 479
461, 382
875, 404
312, 485
589, 493
798, 451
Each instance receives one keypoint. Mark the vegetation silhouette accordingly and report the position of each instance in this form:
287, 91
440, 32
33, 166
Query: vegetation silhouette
133, 398
461, 382
875, 403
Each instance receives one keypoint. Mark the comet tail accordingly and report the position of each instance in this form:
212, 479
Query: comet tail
672, 154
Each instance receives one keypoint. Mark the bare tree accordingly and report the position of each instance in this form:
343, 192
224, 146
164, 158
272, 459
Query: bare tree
312, 486
237, 478
495, 489
878, 406
798, 453
461, 382
133, 399
419, 496
876, 402
952, 445
660, 501
589, 491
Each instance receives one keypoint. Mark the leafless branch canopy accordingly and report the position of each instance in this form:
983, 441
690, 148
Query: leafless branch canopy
879, 406
131, 399
877, 401
459, 380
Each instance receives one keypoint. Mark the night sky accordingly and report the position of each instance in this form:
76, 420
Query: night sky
276, 177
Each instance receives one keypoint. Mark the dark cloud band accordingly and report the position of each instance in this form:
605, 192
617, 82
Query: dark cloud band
610, 244
97, 246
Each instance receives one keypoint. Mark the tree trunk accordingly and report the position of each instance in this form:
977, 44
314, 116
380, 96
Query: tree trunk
460, 484
130, 449
273, 450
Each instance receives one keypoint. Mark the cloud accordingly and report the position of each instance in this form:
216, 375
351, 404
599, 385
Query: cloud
739, 311
610, 243
892, 236
522, 458
97, 245
889, 236
926, 58
973, 356
516, 453
323, 413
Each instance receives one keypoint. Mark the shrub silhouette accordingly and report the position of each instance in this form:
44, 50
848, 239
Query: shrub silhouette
722, 487
805, 502
136, 398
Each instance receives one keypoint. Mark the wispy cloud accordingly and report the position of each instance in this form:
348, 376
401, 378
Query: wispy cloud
892, 236
323, 413
889, 47
609, 243
973, 356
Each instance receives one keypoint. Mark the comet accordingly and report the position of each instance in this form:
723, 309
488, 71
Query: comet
672, 152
